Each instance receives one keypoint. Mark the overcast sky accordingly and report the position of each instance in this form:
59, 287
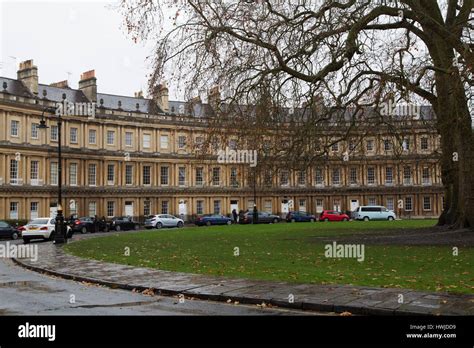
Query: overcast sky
72, 36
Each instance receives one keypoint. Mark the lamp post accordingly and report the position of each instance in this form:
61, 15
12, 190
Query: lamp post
255, 210
60, 236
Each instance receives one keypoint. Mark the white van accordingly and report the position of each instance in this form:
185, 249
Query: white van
373, 212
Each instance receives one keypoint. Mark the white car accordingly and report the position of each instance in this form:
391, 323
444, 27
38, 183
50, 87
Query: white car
40, 228
163, 220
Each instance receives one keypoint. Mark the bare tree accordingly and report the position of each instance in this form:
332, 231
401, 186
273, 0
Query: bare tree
315, 63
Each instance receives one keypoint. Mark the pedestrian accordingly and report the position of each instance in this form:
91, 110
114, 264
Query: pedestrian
241, 216
234, 214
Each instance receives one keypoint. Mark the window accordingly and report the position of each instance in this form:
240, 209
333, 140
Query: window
34, 210
73, 135
14, 171
426, 203
92, 174
14, 210
408, 204
335, 147
164, 207
424, 143
388, 175
110, 174
319, 205
425, 174
372, 201
54, 133
407, 175
146, 208
390, 203
352, 145
217, 207
128, 138
14, 128
92, 209
34, 131
199, 176
370, 145
387, 145
146, 175
267, 178
54, 173
110, 137
284, 177
353, 176
182, 176
302, 205
406, 144
146, 141
110, 208
92, 136
164, 173
199, 207
233, 177
216, 176
164, 142
73, 174
302, 177
319, 179
181, 142
34, 172
267, 206
336, 176
233, 144
371, 175
128, 174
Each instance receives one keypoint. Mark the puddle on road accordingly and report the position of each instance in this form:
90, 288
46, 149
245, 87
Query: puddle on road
29, 285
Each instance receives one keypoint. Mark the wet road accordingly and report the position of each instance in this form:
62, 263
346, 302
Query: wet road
24, 292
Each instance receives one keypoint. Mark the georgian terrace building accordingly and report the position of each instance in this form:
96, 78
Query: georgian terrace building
135, 157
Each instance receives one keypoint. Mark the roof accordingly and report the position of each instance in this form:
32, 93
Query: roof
14, 87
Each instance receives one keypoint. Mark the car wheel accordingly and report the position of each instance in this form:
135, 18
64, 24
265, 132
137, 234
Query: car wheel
311, 220
275, 221
26, 241
366, 218
208, 223
326, 220
229, 222
117, 228
15, 235
293, 220
180, 224
84, 230
345, 219
390, 218
159, 225
106, 229
137, 227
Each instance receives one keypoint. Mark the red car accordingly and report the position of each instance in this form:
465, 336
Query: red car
332, 215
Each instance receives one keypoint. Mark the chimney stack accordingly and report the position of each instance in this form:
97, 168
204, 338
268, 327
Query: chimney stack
214, 97
28, 75
160, 96
60, 84
88, 85
139, 94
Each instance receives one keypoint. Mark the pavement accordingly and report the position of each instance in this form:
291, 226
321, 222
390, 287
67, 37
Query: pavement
310, 297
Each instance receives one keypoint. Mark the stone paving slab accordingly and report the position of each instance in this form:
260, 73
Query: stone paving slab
338, 298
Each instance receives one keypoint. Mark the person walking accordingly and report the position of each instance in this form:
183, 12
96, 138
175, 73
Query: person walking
234, 214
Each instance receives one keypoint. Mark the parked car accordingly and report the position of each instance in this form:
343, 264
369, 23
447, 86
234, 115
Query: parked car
213, 219
263, 218
123, 223
332, 215
163, 220
300, 216
373, 212
87, 224
8, 231
41, 228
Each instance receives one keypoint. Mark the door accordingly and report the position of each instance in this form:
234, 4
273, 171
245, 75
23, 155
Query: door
354, 204
129, 209
182, 209
234, 204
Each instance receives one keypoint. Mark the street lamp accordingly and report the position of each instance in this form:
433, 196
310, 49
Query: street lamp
60, 236
255, 210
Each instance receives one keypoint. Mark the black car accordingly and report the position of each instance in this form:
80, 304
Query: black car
263, 218
89, 224
8, 231
123, 223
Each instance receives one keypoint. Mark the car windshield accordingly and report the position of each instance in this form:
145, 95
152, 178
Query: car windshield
39, 222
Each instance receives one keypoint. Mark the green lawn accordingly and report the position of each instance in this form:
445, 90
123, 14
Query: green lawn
289, 252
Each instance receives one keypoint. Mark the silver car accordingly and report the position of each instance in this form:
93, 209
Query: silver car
163, 220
